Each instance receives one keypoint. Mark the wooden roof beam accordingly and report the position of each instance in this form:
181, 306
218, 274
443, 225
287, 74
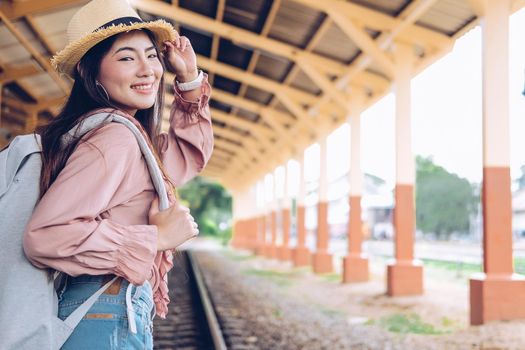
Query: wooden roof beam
268, 85
12, 73
298, 111
219, 158
253, 128
363, 40
410, 33
256, 131
40, 34
228, 146
251, 106
326, 85
16, 10
32, 107
44, 62
216, 39
222, 152
517, 5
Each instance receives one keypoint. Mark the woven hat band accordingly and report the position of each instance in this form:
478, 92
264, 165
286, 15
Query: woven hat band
121, 20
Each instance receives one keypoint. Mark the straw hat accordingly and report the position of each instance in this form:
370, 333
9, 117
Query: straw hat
98, 20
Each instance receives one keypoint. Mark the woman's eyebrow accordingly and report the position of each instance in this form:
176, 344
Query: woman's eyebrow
125, 48
132, 49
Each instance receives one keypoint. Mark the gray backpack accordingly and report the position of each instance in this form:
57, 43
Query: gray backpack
28, 300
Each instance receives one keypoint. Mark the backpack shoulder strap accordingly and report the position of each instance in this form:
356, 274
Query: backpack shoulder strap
97, 119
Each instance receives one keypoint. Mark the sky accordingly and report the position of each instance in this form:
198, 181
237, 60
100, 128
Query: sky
446, 112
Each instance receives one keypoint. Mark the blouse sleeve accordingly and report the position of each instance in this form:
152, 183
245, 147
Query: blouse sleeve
65, 231
187, 146
185, 150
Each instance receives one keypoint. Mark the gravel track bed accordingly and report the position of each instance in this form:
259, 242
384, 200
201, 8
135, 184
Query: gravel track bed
313, 313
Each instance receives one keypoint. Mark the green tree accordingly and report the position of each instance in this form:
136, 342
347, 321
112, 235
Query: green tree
444, 201
210, 204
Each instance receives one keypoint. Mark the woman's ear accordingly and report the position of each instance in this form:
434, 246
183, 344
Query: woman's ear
80, 70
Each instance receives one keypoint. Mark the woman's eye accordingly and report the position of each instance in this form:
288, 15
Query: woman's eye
126, 59
153, 55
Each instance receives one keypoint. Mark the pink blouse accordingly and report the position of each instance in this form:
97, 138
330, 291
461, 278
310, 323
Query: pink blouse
94, 218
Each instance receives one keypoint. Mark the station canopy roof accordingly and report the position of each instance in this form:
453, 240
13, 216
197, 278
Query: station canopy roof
284, 72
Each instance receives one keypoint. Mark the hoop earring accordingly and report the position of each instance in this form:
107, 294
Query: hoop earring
101, 87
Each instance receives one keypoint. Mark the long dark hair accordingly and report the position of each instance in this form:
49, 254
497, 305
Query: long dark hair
86, 96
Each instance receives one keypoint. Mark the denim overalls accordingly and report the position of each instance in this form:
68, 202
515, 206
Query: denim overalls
107, 324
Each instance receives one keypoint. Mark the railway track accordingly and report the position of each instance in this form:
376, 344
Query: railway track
191, 322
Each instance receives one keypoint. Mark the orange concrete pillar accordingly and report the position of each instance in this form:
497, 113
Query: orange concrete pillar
300, 254
284, 252
497, 293
238, 229
261, 241
322, 260
261, 220
404, 275
251, 242
355, 264
236, 234
270, 245
272, 250
244, 213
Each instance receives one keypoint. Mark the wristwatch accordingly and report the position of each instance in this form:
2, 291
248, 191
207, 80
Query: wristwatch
191, 85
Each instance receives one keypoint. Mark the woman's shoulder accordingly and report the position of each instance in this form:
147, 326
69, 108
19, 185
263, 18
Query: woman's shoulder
113, 141
112, 135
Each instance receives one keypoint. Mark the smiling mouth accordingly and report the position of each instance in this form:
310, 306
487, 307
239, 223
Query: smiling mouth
142, 86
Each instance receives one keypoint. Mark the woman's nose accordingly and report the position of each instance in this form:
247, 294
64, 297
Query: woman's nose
146, 69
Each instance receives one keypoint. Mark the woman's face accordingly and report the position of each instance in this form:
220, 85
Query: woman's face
131, 72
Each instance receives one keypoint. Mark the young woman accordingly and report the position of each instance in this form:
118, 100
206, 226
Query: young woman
98, 215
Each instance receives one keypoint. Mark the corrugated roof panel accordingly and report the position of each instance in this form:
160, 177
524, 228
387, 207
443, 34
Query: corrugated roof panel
42, 86
248, 15
390, 7
258, 95
272, 67
252, 117
219, 105
303, 82
204, 7
280, 107
55, 22
57, 41
447, 16
295, 24
226, 84
336, 44
200, 42
11, 51
233, 54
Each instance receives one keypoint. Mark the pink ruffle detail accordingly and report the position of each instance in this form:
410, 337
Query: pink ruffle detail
164, 263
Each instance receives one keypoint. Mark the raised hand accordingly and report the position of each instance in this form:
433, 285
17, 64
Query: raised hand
180, 57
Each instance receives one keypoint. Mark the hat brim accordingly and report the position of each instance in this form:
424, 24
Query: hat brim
66, 60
